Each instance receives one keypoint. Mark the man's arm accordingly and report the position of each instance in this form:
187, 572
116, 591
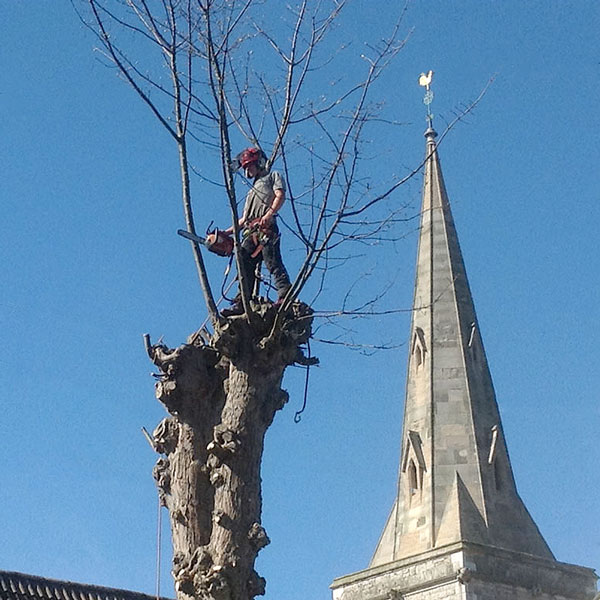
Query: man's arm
276, 204
241, 223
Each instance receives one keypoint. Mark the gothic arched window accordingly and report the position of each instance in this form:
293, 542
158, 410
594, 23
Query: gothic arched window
419, 348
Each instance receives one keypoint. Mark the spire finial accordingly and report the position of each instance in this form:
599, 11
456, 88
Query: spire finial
425, 81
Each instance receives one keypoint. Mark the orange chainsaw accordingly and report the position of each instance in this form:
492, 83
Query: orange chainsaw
216, 241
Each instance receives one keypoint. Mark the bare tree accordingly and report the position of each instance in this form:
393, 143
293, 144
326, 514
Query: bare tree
214, 74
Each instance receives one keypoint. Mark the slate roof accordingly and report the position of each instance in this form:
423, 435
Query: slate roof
18, 586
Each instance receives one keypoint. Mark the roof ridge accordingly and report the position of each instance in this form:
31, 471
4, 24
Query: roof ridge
15, 580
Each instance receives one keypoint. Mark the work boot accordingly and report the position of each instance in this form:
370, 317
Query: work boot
279, 301
282, 293
235, 309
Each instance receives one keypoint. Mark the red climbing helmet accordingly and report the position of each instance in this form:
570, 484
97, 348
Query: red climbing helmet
247, 157
250, 155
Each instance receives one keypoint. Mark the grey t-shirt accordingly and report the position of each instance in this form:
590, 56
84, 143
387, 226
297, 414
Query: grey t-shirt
260, 197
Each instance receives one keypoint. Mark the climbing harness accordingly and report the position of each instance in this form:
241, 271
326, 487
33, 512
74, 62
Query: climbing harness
261, 235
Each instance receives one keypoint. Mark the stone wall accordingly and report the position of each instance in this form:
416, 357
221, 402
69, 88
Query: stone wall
469, 572
479, 590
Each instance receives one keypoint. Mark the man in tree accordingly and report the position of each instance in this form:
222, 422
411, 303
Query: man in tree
260, 234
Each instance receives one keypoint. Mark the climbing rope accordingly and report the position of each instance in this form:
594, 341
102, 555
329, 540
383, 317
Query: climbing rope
298, 415
158, 547
224, 291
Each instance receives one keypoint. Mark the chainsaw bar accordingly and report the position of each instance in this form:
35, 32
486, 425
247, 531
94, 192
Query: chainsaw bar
191, 236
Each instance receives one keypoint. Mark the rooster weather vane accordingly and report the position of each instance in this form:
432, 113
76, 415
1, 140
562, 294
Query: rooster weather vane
425, 81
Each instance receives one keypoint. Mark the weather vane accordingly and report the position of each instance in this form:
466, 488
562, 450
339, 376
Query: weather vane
425, 81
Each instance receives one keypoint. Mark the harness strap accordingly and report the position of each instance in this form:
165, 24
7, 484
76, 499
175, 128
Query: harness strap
259, 234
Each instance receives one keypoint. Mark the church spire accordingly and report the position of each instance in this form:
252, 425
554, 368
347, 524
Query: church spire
458, 529
456, 482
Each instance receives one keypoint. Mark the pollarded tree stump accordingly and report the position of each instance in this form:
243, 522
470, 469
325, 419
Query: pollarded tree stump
222, 396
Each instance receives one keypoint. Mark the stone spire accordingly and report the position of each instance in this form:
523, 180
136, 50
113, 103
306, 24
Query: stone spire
458, 529
456, 482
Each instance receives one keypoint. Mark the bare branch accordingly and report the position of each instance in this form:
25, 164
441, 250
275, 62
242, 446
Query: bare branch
106, 40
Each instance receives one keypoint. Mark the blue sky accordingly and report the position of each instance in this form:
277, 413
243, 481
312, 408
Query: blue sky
90, 262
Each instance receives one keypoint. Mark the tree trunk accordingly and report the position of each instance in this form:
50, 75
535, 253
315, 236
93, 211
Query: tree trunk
222, 398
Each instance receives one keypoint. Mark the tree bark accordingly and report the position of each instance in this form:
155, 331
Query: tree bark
222, 397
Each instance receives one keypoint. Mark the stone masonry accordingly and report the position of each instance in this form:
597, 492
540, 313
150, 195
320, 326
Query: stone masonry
468, 572
458, 527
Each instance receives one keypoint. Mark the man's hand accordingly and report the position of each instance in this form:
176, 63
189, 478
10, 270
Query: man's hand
241, 223
267, 219
279, 198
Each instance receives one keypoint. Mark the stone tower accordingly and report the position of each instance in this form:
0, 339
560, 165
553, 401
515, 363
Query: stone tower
458, 528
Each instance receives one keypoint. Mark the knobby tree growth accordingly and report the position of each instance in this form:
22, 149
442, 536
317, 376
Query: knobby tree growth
218, 74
